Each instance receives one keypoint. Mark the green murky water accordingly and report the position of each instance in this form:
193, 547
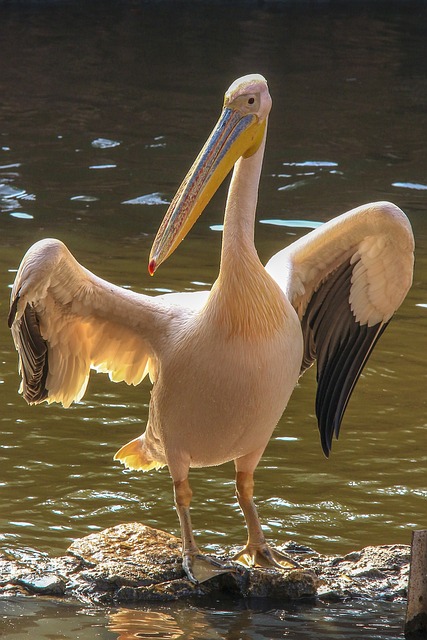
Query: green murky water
102, 111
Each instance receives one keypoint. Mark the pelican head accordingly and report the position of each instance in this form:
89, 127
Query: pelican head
238, 133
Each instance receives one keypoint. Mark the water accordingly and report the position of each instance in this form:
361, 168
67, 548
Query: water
230, 620
102, 112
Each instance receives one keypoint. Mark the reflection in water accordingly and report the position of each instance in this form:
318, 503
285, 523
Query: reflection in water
130, 624
349, 88
189, 623
352, 622
45, 620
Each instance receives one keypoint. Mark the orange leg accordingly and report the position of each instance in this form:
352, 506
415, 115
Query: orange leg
256, 552
197, 566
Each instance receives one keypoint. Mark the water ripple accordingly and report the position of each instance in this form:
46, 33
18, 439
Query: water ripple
149, 199
104, 143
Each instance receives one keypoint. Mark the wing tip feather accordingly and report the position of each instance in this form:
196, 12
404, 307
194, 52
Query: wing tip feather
33, 356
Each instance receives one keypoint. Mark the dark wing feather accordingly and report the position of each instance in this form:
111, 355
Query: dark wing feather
32, 349
341, 346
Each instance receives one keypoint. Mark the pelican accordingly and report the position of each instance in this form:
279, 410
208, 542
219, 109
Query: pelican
224, 362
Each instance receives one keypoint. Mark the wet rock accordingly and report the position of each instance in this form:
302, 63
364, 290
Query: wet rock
374, 572
133, 563
127, 563
139, 551
284, 585
50, 584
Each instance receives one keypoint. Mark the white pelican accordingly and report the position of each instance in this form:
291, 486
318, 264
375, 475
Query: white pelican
223, 363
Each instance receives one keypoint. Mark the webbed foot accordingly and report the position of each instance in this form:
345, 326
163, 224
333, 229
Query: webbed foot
262, 555
200, 568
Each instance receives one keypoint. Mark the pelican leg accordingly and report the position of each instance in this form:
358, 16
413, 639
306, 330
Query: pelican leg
256, 552
197, 566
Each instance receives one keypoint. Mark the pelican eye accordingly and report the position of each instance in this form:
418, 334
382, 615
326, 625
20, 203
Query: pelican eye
246, 103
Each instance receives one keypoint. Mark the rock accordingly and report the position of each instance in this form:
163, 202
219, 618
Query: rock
284, 585
133, 563
373, 572
138, 549
49, 584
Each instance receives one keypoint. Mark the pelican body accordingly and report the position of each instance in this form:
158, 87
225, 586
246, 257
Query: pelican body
224, 362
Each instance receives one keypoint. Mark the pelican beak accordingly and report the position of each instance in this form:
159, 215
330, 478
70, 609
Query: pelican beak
236, 134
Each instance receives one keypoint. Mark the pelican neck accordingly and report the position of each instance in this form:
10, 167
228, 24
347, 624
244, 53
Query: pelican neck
240, 211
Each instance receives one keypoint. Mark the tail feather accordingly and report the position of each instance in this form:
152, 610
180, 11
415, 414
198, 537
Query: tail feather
134, 457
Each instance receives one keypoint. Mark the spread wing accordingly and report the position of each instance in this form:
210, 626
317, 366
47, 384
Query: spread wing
65, 321
345, 280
